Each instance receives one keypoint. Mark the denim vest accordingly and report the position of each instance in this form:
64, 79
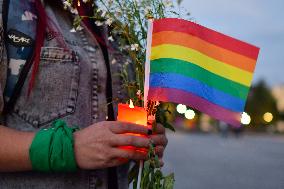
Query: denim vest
70, 85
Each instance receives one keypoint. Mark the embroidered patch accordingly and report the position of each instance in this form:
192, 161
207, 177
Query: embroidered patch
19, 39
28, 16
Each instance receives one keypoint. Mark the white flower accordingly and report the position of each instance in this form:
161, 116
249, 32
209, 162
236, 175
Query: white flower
73, 30
79, 28
109, 21
138, 93
113, 61
74, 11
147, 10
134, 47
66, 4
103, 14
98, 23
126, 47
110, 38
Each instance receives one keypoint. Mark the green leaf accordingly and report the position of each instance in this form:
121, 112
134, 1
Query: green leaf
169, 181
146, 167
157, 162
169, 126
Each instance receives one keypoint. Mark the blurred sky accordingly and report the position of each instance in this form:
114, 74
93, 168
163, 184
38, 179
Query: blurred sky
260, 22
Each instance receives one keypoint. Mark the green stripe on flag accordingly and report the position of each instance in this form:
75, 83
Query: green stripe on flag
167, 65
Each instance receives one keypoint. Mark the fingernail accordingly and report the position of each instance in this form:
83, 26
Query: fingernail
150, 132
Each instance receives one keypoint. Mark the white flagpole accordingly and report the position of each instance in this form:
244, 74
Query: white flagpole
146, 84
147, 63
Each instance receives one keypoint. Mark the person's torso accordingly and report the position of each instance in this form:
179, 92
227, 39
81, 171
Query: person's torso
71, 85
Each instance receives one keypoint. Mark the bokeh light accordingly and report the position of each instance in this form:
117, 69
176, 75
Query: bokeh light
181, 108
189, 114
268, 117
245, 119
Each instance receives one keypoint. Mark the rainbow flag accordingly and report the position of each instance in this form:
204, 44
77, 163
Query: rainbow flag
199, 67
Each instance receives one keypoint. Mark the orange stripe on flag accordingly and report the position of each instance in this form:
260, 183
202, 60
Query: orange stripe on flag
209, 35
216, 52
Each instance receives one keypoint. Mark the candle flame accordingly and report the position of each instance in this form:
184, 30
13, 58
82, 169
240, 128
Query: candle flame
131, 105
79, 4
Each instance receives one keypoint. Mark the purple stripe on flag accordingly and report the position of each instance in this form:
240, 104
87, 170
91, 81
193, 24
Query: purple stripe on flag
182, 97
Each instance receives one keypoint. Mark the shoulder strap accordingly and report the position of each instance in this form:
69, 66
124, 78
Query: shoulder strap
8, 24
4, 13
8, 107
2, 48
1, 10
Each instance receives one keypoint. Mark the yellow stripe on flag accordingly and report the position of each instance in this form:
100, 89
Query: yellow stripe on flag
199, 59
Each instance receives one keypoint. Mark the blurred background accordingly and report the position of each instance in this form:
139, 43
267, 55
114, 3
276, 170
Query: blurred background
205, 153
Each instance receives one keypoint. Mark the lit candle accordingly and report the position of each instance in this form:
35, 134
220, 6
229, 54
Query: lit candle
132, 114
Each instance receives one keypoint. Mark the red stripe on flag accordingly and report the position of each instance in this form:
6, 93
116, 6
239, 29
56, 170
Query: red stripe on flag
209, 35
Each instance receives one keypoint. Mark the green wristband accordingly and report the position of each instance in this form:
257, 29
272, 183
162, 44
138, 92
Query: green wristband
52, 149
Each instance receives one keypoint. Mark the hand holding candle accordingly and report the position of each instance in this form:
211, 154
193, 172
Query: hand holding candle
138, 115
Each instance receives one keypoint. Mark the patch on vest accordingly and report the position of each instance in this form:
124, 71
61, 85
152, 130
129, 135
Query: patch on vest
19, 39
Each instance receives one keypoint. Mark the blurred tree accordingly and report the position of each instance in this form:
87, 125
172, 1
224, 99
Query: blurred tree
260, 101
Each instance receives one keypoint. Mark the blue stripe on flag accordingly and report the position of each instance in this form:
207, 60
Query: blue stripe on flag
176, 81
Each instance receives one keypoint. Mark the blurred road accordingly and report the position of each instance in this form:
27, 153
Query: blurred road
211, 162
